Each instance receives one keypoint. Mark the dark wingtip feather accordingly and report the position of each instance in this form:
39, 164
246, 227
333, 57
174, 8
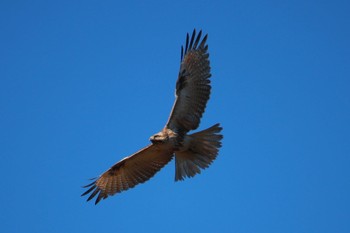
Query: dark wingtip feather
89, 190
95, 190
86, 186
100, 196
219, 127
192, 38
197, 40
216, 129
192, 43
187, 40
203, 42
93, 194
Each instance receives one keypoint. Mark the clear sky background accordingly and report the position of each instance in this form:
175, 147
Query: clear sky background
85, 83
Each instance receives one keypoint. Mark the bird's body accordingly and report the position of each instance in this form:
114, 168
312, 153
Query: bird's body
192, 152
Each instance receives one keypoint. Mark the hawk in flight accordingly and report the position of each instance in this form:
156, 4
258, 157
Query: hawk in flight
192, 152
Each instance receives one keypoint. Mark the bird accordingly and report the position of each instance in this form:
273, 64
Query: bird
193, 152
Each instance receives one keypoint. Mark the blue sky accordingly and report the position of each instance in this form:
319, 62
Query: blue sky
85, 83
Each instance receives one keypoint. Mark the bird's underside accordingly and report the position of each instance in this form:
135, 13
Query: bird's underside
192, 152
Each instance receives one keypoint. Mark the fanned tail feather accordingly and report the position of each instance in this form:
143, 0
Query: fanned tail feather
202, 151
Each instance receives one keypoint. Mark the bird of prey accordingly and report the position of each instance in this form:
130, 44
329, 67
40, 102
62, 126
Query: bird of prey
192, 152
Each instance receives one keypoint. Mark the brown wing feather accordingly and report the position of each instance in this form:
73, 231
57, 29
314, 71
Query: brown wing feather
192, 87
129, 172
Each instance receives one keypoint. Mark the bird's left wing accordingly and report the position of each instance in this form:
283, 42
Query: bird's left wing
129, 172
192, 86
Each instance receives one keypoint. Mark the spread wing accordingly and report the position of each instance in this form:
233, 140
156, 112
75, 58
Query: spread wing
192, 86
129, 172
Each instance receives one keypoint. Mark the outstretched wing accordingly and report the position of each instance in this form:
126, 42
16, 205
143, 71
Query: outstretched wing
129, 172
192, 86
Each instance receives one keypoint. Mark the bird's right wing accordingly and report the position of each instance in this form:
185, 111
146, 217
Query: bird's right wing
129, 172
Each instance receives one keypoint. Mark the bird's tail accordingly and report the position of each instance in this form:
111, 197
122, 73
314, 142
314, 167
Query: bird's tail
203, 147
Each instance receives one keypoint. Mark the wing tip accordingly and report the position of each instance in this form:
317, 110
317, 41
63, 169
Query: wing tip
93, 190
193, 41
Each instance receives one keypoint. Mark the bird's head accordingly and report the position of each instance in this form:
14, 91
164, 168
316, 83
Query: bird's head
159, 138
